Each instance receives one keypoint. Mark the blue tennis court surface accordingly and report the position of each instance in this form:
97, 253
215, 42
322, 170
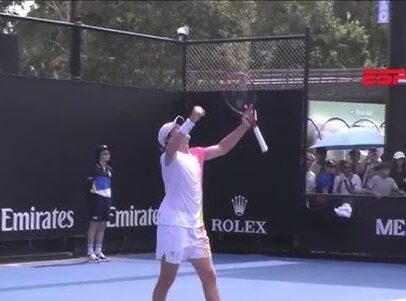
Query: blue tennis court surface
240, 278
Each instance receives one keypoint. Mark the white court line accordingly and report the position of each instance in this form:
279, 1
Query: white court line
44, 262
253, 264
222, 266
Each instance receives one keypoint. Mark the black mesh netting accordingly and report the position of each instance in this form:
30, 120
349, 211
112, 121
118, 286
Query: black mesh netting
271, 64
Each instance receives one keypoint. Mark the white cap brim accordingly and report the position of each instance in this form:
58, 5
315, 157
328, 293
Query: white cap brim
166, 129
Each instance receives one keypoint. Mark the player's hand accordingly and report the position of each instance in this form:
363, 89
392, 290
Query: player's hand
249, 118
197, 113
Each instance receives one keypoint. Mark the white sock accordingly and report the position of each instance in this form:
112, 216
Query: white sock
98, 249
90, 249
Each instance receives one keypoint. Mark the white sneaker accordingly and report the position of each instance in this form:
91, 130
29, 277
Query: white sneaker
102, 257
93, 258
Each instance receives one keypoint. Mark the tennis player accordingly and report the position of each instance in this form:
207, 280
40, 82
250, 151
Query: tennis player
99, 197
181, 235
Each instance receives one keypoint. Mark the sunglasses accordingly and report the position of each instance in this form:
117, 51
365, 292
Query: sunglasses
179, 120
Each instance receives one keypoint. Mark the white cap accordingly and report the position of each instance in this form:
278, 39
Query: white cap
166, 129
399, 155
344, 211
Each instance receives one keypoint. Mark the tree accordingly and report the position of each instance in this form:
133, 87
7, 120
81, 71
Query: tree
366, 13
5, 5
343, 35
337, 43
117, 59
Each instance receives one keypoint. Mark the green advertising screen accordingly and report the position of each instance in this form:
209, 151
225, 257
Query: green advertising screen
321, 111
346, 114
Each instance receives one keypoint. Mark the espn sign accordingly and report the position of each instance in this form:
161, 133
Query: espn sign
383, 77
390, 227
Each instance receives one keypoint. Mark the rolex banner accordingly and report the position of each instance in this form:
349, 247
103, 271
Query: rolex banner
50, 130
238, 222
249, 194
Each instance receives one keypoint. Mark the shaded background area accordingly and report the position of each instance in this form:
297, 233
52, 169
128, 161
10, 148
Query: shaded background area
50, 129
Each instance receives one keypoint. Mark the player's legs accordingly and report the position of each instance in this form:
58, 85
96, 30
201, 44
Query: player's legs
91, 236
205, 270
93, 218
99, 213
101, 227
103, 210
166, 278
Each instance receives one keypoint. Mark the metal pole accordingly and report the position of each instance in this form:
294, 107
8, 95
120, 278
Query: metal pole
90, 27
396, 106
305, 101
246, 39
75, 44
300, 209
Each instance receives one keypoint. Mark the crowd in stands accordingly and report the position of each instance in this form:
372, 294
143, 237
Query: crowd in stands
371, 175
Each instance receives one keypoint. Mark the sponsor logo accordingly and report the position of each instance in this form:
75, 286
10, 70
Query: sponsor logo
383, 11
239, 205
34, 219
383, 77
131, 217
390, 227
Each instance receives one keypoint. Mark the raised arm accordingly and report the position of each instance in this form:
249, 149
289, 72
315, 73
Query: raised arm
179, 133
230, 141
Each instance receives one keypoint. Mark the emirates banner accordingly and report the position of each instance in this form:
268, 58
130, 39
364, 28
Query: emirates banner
50, 130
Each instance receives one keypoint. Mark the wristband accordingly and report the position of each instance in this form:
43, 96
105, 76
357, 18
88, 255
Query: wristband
187, 127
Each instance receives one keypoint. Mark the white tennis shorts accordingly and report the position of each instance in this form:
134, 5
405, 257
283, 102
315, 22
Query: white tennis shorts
180, 244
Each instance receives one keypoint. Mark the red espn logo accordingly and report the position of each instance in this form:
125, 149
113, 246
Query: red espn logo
383, 77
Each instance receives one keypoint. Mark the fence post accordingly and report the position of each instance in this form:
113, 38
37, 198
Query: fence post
75, 42
300, 208
305, 100
396, 106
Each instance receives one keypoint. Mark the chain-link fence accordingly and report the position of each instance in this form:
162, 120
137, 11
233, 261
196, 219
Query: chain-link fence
131, 61
118, 57
274, 63
105, 55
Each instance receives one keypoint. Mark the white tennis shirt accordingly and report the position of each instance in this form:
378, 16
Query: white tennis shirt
183, 201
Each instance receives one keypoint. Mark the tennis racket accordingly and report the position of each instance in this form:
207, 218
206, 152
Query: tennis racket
239, 94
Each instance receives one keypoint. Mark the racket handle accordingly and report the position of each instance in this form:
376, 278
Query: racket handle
261, 140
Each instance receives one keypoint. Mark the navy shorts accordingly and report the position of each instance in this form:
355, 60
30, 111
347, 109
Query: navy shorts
99, 208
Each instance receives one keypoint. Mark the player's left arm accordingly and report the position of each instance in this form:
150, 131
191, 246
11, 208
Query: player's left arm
230, 141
